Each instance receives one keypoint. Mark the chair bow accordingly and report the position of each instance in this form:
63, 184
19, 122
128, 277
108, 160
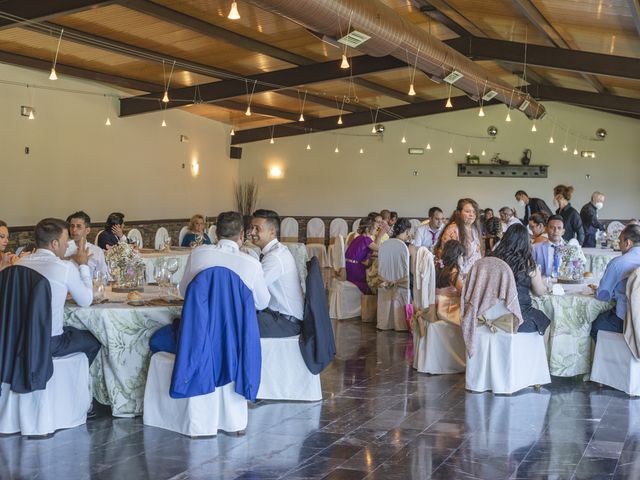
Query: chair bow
392, 284
503, 322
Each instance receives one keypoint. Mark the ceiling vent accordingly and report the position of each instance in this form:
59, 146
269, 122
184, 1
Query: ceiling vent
354, 39
489, 95
453, 77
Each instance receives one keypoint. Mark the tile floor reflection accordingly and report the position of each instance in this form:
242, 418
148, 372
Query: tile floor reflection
379, 420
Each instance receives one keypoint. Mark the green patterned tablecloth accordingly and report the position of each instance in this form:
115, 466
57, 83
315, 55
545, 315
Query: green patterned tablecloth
598, 259
571, 315
119, 372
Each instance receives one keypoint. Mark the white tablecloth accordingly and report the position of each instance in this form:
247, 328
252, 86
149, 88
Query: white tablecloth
598, 258
151, 259
119, 372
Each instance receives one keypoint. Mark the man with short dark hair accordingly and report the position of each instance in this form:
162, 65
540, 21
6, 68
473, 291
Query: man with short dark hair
545, 254
283, 316
51, 237
589, 217
429, 234
393, 218
226, 253
79, 228
531, 206
113, 232
613, 285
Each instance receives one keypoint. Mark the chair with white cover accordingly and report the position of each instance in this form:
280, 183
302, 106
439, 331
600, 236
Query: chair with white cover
162, 235
289, 230
337, 227
212, 234
356, 224
344, 296
315, 241
393, 292
616, 360
284, 375
135, 236
438, 342
415, 223
183, 231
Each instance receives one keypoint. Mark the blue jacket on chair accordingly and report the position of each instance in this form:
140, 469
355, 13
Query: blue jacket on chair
218, 337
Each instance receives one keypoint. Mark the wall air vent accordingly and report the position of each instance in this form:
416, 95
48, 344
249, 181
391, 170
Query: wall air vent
354, 39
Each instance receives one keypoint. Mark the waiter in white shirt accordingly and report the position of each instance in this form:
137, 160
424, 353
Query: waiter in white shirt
226, 253
79, 228
52, 236
429, 234
283, 317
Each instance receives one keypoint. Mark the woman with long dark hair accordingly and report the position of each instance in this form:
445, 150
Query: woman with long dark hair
464, 226
515, 250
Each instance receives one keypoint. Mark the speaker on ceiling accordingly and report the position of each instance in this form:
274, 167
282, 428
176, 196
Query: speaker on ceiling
235, 152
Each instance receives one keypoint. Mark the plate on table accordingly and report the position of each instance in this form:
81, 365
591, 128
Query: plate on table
136, 303
165, 302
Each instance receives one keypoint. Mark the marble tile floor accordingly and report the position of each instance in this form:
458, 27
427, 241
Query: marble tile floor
380, 420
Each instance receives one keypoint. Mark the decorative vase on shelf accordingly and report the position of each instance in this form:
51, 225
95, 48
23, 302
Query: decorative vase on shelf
127, 268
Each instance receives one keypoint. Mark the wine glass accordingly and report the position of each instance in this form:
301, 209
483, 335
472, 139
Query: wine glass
98, 281
160, 274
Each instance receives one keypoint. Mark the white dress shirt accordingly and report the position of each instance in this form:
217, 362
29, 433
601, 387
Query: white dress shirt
96, 257
426, 237
283, 282
64, 277
226, 253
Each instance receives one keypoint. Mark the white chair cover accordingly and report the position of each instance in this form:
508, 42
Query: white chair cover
95, 240
415, 223
135, 236
62, 404
344, 300
338, 226
284, 375
204, 415
356, 224
212, 234
506, 362
614, 228
161, 237
183, 231
289, 230
315, 232
315, 229
614, 365
393, 265
336, 254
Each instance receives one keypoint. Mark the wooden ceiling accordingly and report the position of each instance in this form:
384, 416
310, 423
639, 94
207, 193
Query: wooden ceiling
585, 52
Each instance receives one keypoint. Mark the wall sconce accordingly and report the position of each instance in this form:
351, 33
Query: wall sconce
28, 112
275, 172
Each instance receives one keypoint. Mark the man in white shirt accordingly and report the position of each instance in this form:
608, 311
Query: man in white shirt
52, 236
79, 228
428, 235
226, 253
283, 317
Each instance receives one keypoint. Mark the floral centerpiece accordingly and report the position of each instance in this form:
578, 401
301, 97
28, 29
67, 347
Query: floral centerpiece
127, 268
572, 264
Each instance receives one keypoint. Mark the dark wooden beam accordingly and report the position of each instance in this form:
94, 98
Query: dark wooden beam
428, 9
45, 65
324, 101
429, 107
386, 91
262, 110
270, 81
548, 57
25, 11
603, 101
634, 6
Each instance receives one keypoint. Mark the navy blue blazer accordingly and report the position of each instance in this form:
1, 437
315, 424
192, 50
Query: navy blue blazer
218, 337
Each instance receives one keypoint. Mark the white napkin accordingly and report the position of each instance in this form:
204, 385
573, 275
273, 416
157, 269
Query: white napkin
557, 290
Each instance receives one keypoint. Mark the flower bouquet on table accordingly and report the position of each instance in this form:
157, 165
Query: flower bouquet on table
127, 268
572, 264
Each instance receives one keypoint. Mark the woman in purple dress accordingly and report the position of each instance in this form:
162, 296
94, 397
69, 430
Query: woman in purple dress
359, 253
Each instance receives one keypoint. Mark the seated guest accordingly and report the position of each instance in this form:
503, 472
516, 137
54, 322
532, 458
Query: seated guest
6, 258
545, 253
52, 237
613, 285
633, 221
393, 218
507, 218
283, 317
514, 249
491, 229
226, 253
538, 227
382, 222
572, 221
359, 252
449, 281
464, 227
531, 206
113, 232
401, 230
79, 228
589, 217
196, 235
427, 235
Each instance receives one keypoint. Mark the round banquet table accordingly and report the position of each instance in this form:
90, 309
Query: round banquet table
152, 258
598, 259
119, 372
571, 314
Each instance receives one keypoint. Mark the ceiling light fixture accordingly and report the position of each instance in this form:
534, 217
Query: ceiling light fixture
53, 75
233, 12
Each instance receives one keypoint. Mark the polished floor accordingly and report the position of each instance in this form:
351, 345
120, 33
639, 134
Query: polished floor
379, 420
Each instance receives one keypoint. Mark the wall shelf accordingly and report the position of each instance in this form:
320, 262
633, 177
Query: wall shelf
502, 171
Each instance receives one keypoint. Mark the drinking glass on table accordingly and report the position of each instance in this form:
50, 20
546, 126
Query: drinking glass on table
172, 265
161, 276
99, 282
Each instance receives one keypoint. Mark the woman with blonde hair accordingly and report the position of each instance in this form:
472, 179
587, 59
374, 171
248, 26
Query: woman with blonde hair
196, 235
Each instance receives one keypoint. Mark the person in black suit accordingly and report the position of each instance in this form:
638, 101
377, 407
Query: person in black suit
531, 206
590, 222
113, 232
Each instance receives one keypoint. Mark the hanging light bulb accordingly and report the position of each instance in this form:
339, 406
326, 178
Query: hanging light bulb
564, 148
301, 119
361, 150
248, 112
337, 150
469, 153
340, 120
483, 153
450, 149
575, 151
31, 114
345, 62
448, 104
271, 141
404, 139
428, 146
233, 132
308, 146
108, 122
481, 112
52, 75
508, 119
165, 97
551, 140
373, 129
164, 124
233, 12
533, 128
412, 91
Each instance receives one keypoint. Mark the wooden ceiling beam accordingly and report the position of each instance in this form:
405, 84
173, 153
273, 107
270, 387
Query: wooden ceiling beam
325, 124
261, 110
15, 13
605, 101
634, 6
548, 57
432, 12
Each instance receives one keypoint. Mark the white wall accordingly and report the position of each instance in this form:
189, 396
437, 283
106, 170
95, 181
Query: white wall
76, 162
321, 182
